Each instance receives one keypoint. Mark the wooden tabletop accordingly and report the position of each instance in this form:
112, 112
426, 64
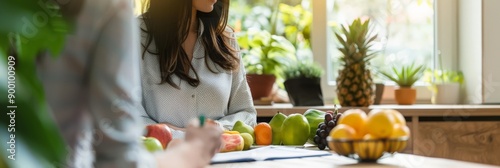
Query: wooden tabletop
396, 160
409, 110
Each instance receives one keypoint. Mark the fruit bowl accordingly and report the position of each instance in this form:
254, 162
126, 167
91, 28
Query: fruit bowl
367, 150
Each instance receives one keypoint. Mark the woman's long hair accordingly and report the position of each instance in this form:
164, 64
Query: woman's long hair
167, 26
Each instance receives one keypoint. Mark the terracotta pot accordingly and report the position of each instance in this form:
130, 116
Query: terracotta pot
405, 96
260, 85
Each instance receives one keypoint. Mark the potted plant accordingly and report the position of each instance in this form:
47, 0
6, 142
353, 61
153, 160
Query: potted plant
303, 84
264, 56
445, 85
405, 77
354, 82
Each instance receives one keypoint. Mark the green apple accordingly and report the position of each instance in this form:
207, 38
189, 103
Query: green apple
152, 144
295, 130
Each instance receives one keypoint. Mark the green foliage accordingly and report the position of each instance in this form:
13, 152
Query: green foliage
443, 76
279, 17
303, 70
297, 22
406, 76
29, 28
264, 53
34, 26
356, 41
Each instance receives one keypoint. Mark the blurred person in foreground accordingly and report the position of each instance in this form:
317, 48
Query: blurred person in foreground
93, 89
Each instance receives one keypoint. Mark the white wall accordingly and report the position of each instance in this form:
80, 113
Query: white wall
491, 51
470, 49
319, 35
447, 32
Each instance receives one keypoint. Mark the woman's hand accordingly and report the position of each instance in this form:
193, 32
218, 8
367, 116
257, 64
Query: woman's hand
196, 150
207, 137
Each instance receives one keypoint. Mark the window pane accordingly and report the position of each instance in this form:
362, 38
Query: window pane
293, 20
257, 20
405, 31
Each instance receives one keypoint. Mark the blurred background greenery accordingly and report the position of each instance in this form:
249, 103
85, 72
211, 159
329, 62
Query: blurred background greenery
284, 24
28, 28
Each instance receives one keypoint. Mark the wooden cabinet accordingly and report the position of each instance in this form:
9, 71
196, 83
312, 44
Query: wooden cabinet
409, 146
475, 141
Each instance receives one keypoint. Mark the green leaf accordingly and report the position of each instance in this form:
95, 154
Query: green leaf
405, 76
45, 144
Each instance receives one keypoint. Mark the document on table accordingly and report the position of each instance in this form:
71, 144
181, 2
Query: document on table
266, 153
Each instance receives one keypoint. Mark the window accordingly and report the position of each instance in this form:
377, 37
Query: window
405, 31
293, 21
256, 20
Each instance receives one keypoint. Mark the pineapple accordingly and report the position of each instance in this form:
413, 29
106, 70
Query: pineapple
354, 82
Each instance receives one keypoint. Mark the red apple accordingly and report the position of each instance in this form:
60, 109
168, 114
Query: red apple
161, 132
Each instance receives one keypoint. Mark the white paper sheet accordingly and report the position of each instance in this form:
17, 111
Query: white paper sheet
266, 153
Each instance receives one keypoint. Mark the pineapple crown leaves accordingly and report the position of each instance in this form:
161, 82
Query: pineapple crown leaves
406, 76
356, 41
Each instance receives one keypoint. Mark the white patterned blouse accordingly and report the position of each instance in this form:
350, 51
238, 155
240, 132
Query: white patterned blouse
224, 96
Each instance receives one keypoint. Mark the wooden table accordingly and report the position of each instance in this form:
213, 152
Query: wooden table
396, 160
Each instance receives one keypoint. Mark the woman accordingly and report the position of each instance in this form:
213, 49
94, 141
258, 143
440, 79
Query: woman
191, 65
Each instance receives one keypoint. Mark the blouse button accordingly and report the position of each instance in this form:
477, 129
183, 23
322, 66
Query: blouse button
192, 96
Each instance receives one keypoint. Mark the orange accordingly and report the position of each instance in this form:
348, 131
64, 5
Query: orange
355, 118
398, 145
343, 131
380, 124
398, 117
400, 131
263, 134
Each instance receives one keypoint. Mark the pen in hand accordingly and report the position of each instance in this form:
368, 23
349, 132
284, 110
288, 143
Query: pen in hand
202, 120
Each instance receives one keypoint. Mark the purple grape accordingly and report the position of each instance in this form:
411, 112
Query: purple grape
321, 146
331, 124
322, 126
317, 139
323, 141
338, 116
328, 117
322, 134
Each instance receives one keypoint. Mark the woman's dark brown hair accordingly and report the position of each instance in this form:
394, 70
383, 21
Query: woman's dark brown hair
167, 26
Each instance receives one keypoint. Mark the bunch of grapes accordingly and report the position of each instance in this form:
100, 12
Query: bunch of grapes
324, 128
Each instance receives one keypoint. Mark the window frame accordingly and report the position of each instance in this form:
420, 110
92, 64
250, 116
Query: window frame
445, 40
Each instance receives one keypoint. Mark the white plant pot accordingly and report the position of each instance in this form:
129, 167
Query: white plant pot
448, 93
